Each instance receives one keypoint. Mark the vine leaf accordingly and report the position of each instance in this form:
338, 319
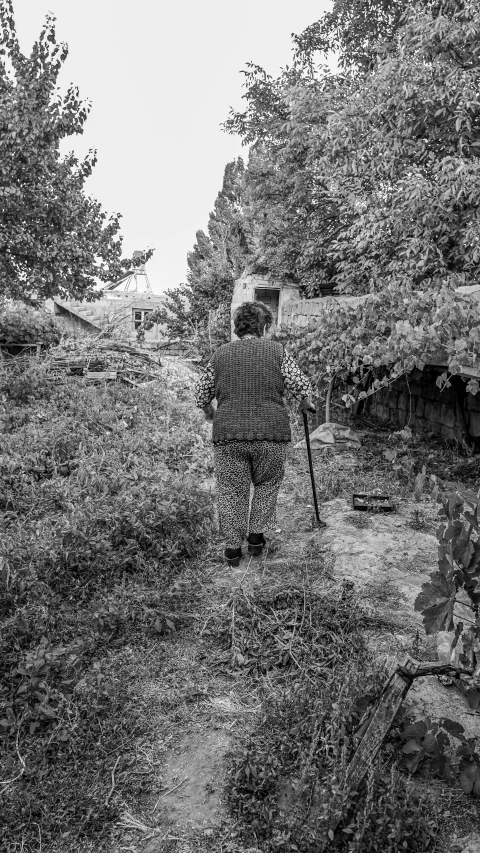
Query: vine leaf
474, 564
454, 728
463, 549
417, 729
470, 779
473, 699
411, 746
412, 764
435, 603
442, 767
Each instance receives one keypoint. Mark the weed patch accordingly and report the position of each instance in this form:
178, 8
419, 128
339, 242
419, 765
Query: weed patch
285, 782
285, 630
103, 506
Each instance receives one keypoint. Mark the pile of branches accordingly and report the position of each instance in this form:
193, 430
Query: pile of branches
100, 361
280, 631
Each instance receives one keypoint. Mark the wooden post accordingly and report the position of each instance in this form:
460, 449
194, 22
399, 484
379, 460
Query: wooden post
393, 694
383, 715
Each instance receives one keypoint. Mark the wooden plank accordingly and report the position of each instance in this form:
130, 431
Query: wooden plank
135, 372
383, 714
101, 374
20, 344
388, 705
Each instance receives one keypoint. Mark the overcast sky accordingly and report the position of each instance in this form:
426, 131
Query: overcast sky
161, 77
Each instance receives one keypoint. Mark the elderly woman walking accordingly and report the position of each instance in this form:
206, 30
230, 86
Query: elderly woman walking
251, 426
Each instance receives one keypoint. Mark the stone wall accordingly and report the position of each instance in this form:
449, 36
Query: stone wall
304, 312
415, 400
418, 402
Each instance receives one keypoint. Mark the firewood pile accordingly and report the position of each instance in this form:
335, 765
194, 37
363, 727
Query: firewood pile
101, 361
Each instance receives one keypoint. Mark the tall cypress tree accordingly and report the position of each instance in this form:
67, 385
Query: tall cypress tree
217, 259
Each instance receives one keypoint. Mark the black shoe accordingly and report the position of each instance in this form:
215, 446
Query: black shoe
233, 556
256, 543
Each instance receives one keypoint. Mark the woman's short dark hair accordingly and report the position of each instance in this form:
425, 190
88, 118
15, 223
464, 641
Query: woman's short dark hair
252, 318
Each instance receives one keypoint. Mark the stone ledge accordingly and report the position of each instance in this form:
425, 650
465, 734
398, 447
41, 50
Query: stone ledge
474, 426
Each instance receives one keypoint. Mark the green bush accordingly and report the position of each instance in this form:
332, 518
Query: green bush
24, 381
27, 325
103, 504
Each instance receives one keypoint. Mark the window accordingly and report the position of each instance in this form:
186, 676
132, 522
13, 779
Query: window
139, 315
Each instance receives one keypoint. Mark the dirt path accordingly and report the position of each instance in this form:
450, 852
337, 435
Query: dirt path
388, 557
207, 710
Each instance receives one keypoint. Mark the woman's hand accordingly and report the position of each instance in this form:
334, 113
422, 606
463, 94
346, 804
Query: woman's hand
306, 405
209, 412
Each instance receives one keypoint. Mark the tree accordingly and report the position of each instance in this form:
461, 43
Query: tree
372, 183
217, 259
357, 31
54, 240
375, 177
293, 214
401, 159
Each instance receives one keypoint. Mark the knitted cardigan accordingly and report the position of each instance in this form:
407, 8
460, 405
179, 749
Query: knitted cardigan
249, 390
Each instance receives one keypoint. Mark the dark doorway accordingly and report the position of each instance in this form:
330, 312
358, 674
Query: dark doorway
270, 297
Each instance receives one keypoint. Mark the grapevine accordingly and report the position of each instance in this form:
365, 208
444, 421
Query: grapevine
389, 335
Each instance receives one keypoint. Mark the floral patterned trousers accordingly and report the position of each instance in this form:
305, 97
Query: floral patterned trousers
238, 465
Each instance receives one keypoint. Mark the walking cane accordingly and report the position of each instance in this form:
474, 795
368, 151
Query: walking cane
320, 523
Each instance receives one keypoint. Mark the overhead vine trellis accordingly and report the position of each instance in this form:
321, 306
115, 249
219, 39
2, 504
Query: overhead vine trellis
388, 336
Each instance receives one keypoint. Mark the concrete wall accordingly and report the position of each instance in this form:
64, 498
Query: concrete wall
79, 318
303, 312
293, 311
74, 327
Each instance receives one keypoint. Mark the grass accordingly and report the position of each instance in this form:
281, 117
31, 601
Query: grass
279, 631
104, 512
285, 780
285, 777
111, 646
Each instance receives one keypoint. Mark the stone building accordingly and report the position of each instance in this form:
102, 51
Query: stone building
254, 286
123, 305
